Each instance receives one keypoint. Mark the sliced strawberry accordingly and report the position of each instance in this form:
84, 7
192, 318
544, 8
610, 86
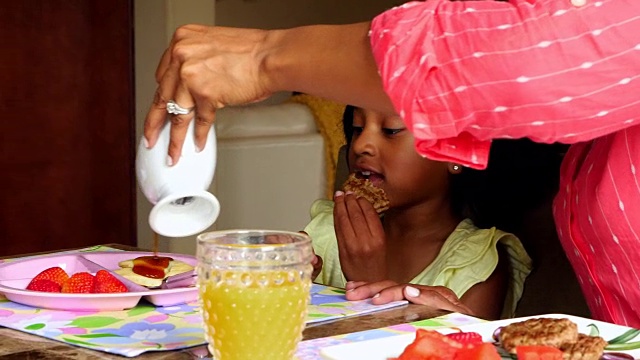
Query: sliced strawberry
107, 283
430, 344
466, 338
43, 285
482, 351
55, 274
81, 282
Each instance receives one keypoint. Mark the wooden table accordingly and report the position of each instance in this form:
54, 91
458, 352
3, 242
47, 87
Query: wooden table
18, 345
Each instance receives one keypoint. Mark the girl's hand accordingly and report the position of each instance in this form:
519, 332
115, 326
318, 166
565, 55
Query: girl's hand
382, 292
316, 262
361, 238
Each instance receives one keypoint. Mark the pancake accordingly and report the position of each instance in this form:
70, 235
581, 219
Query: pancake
175, 267
365, 189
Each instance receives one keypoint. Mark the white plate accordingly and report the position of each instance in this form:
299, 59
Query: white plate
392, 346
15, 276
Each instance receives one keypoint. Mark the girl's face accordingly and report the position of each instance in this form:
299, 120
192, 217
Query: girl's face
382, 150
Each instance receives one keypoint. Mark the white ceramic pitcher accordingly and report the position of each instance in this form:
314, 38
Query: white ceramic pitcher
182, 204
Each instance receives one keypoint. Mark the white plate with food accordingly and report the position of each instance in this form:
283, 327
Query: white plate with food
621, 337
15, 276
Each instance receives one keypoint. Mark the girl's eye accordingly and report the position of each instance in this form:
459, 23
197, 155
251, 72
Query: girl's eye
392, 131
357, 130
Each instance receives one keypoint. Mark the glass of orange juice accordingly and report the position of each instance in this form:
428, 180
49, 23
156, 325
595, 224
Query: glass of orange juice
254, 288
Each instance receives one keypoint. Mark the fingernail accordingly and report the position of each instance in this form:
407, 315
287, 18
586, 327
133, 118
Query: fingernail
198, 148
349, 192
411, 291
145, 142
376, 296
338, 193
350, 290
314, 260
169, 160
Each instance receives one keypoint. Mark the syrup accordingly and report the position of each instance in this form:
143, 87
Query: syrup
152, 266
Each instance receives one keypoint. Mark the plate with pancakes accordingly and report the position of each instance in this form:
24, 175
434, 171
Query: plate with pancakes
143, 273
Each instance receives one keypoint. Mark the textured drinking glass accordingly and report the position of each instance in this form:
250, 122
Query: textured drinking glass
254, 290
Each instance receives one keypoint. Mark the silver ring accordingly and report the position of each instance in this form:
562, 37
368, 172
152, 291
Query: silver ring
175, 109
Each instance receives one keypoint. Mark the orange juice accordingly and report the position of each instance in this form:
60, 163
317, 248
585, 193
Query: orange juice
256, 314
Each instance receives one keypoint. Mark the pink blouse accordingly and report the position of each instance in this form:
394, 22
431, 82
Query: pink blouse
463, 73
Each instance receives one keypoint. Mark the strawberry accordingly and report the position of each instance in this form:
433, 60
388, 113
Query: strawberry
430, 344
43, 285
482, 351
466, 338
81, 282
107, 283
538, 352
55, 274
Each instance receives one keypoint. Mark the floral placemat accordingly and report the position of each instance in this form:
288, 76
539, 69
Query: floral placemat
328, 303
310, 349
150, 328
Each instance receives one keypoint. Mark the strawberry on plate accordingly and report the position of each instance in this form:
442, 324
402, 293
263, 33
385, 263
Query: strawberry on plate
43, 285
430, 345
81, 282
105, 282
538, 352
55, 274
466, 338
482, 351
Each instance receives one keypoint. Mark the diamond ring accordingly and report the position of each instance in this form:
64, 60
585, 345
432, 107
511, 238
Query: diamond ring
175, 109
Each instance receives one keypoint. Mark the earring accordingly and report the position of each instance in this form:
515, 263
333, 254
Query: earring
455, 167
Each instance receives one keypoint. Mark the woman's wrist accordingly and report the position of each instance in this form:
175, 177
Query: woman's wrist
331, 61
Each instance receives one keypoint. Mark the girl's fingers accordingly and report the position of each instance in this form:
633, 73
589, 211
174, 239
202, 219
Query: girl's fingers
374, 225
353, 284
341, 221
369, 290
436, 297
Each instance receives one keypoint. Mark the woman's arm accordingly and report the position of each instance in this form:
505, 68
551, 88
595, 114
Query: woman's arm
330, 61
465, 72
459, 72
212, 67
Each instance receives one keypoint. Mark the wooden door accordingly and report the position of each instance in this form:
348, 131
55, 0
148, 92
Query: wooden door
67, 124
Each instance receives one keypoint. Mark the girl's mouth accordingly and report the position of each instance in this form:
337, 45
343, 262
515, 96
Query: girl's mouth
375, 178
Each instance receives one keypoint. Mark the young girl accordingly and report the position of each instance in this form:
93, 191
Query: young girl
425, 237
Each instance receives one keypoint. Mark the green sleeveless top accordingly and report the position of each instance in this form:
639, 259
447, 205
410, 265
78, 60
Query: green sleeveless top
468, 257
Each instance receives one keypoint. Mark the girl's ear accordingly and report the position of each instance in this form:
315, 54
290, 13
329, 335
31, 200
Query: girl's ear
454, 168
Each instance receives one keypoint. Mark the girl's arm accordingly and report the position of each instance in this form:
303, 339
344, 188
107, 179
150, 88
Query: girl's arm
486, 299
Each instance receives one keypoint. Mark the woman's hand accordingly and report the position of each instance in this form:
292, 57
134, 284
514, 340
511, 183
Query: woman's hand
207, 68
361, 238
382, 292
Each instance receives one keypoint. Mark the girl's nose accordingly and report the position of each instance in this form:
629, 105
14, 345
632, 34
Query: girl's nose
365, 143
